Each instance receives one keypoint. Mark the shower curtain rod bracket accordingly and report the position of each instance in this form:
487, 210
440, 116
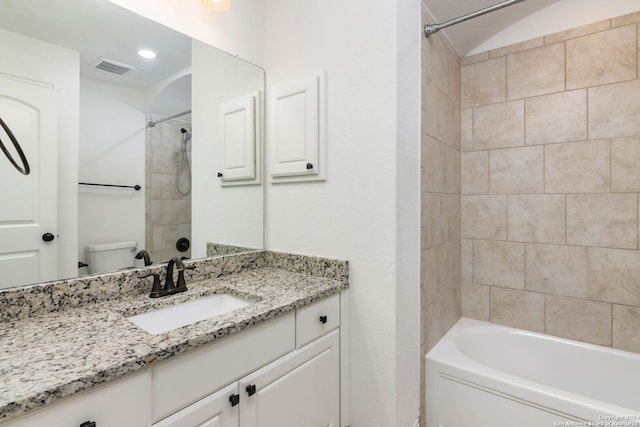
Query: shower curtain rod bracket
430, 29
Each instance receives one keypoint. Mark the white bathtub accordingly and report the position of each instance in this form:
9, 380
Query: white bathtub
481, 374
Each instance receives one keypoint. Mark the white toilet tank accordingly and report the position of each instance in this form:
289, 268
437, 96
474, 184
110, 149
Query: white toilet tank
108, 257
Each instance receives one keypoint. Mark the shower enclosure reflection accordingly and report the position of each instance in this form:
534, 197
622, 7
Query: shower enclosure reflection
168, 195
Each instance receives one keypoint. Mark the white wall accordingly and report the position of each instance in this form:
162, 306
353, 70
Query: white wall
233, 214
365, 212
45, 62
112, 151
239, 31
560, 16
369, 204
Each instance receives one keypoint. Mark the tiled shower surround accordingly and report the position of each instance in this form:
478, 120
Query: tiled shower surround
440, 222
551, 177
168, 213
440, 189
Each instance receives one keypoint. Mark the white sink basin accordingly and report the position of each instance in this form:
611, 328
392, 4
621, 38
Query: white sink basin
169, 318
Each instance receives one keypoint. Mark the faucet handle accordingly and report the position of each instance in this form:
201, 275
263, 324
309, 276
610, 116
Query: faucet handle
147, 274
156, 290
182, 284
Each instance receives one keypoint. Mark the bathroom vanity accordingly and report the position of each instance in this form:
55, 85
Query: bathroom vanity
80, 360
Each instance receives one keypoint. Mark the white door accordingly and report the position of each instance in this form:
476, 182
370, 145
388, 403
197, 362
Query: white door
301, 389
28, 203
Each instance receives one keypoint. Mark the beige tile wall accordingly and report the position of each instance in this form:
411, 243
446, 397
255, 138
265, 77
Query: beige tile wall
441, 188
168, 213
441, 182
550, 182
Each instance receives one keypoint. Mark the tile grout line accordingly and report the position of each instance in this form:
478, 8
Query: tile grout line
566, 219
506, 78
490, 292
524, 279
506, 220
611, 173
565, 64
586, 89
611, 338
544, 169
545, 313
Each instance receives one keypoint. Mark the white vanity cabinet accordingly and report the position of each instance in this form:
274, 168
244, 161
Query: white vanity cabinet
183, 380
299, 389
123, 403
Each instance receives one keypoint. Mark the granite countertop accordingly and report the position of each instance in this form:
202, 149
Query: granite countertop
52, 355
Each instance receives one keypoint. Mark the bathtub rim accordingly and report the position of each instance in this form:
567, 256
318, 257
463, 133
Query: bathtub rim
445, 359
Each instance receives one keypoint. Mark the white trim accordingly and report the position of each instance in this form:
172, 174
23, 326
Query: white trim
344, 358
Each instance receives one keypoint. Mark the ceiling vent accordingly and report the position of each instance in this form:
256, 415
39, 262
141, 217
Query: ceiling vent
112, 66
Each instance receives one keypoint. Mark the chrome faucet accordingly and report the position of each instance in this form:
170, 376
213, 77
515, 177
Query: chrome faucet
169, 287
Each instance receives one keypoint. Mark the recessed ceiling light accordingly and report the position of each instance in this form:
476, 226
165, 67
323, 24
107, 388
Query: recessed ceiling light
147, 54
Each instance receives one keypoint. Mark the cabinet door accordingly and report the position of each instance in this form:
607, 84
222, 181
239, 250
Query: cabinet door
294, 129
300, 389
124, 403
238, 133
216, 410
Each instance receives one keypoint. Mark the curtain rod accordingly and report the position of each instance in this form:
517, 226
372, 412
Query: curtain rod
431, 29
152, 123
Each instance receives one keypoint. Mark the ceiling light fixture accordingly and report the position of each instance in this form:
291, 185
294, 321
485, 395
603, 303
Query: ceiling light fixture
217, 5
147, 54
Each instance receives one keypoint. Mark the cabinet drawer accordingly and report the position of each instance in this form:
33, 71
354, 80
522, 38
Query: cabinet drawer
188, 378
124, 403
317, 319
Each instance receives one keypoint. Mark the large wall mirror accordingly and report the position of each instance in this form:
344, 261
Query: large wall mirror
126, 152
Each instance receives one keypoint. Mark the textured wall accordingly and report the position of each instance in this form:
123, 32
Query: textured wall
551, 176
359, 213
440, 168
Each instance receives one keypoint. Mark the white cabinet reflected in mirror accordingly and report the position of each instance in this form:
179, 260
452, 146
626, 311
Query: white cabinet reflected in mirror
87, 108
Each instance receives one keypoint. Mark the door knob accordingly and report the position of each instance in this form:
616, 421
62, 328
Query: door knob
47, 237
